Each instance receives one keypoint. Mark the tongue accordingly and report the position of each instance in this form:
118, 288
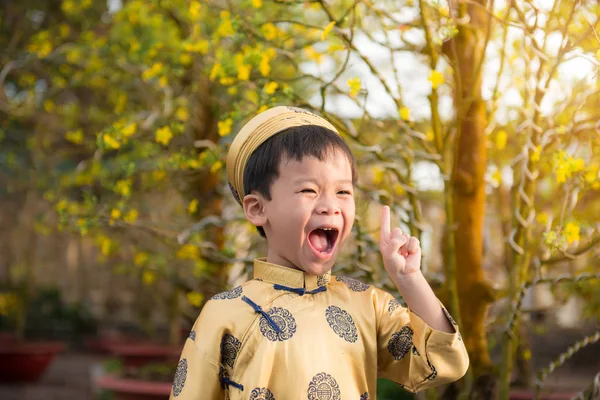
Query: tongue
318, 238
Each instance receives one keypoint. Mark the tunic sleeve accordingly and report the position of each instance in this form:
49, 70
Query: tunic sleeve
199, 371
413, 354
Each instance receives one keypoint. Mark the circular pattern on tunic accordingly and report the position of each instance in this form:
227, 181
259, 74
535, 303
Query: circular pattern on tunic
192, 335
452, 321
364, 396
228, 295
229, 349
180, 376
392, 305
401, 343
323, 387
261, 394
342, 323
353, 284
283, 319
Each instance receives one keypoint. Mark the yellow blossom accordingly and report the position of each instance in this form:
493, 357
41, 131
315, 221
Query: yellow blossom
199, 46
497, 177
188, 252
501, 138
115, 213
215, 71
265, 65
195, 10
110, 142
232, 90
105, 245
257, 3
436, 78
335, 47
227, 81
543, 218
140, 258
271, 87
535, 156
153, 71
354, 85
591, 175
571, 232
225, 28
129, 130
193, 207
182, 114
185, 59
225, 127
164, 135
327, 29
148, 277
262, 108
131, 216
313, 54
269, 30
405, 114
75, 136
430, 135
195, 298
216, 167
123, 187
244, 72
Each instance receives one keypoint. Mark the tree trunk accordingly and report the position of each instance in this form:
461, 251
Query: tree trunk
466, 50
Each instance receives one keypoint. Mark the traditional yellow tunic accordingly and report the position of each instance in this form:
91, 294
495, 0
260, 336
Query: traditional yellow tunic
290, 335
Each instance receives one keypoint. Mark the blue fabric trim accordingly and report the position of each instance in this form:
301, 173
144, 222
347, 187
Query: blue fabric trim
300, 291
259, 310
226, 381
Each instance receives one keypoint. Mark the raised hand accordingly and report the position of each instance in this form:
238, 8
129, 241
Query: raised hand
401, 253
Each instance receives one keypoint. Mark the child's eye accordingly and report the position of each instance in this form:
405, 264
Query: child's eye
345, 192
307, 191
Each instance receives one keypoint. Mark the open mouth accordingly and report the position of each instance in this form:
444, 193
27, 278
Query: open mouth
323, 240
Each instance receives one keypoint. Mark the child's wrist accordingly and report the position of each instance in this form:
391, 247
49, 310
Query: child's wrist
409, 280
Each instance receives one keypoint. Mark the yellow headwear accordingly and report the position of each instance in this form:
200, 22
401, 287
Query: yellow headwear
256, 132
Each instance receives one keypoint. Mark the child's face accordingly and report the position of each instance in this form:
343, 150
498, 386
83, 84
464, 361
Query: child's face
310, 213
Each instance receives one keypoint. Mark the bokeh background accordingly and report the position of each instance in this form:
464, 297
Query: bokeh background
476, 121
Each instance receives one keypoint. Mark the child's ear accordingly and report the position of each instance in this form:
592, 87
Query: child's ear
254, 209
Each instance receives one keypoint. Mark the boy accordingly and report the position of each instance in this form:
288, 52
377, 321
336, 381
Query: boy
295, 331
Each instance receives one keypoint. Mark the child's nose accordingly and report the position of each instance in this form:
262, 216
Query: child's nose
328, 206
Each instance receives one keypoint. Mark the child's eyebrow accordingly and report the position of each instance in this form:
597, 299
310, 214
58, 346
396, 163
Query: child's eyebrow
311, 180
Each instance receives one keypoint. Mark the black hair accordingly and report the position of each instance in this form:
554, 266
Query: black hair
262, 168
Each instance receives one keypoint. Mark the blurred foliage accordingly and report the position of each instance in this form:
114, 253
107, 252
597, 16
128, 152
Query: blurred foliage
48, 316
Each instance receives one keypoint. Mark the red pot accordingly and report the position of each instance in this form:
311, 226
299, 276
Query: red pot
136, 355
102, 344
132, 389
26, 361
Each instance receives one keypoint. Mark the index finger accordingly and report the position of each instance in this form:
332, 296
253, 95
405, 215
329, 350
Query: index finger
385, 223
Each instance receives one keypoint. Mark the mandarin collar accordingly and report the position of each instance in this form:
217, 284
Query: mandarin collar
295, 278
